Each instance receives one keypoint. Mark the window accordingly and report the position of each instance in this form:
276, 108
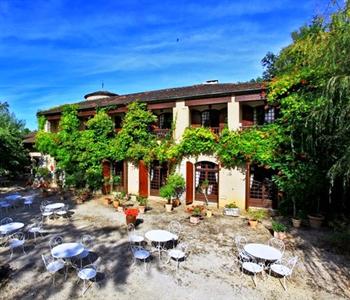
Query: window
165, 120
269, 115
54, 125
210, 118
118, 122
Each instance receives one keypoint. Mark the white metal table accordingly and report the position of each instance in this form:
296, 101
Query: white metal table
67, 250
10, 227
13, 197
263, 252
54, 206
159, 236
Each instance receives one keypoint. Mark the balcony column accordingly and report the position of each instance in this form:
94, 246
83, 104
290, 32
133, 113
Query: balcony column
233, 114
181, 118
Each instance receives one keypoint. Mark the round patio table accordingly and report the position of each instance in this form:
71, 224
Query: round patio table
13, 197
54, 206
10, 227
262, 251
67, 250
159, 236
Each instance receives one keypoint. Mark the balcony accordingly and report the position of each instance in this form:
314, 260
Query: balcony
161, 133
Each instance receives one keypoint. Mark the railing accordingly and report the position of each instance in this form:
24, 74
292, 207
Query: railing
260, 190
161, 133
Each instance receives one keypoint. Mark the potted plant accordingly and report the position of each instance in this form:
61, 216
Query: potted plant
106, 185
115, 183
231, 209
116, 199
131, 215
279, 230
315, 220
173, 188
142, 203
196, 215
255, 216
296, 220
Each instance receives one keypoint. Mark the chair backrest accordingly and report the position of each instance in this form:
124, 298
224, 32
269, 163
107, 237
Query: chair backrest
56, 240
175, 227
184, 247
19, 235
86, 240
291, 262
135, 248
277, 243
47, 259
240, 241
6, 220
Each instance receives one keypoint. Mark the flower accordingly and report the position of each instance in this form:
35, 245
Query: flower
131, 212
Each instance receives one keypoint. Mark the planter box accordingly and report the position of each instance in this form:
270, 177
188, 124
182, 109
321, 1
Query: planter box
194, 220
234, 212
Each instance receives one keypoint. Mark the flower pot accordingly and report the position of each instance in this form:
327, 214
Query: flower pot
253, 223
130, 219
209, 213
279, 235
116, 204
315, 221
142, 209
234, 212
168, 207
107, 201
176, 202
296, 222
120, 208
194, 219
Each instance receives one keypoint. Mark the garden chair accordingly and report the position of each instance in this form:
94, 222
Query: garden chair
133, 237
253, 267
6, 220
5, 205
62, 212
28, 201
16, 240
180, 253
284, 268
45, 213
240, 241
175, 228
36, 228
53, 265
55, 241
87, 241
139, 253
87, 273
277, 243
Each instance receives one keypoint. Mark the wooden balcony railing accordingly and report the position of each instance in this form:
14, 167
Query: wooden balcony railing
161, 133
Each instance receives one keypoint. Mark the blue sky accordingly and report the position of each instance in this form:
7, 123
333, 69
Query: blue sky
56, 51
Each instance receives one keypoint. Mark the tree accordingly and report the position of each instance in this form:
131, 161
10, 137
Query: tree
13, 156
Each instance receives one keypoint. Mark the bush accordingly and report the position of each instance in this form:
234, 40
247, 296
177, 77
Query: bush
257, 214
174, 187
278, 227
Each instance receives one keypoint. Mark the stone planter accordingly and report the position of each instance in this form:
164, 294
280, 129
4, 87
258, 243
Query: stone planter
253, 223
116, 204
296, 222
315, 221
279, 235
168, 207
194, 219
120, 208
234, 212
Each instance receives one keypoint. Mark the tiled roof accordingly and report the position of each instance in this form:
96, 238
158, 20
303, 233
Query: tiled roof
187, 92
29, 138
100, 93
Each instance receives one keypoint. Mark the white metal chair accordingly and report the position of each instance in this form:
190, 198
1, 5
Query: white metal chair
175, 228
53, 265
62, 212
45, 213
179, 253
36, 228
284, 268
16, 240
87, 241
55, 241
87, 273
139, 253
240, 241
28, 201
133, 237
252, 267
5, 205
6, 220
277, 243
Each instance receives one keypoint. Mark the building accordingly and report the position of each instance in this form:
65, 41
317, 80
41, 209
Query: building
210, 104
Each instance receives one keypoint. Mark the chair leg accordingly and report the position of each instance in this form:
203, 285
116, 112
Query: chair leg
11, 253
23, 250
284, 283
254, 279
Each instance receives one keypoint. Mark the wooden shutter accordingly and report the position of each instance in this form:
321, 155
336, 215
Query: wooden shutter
106, 172
196, 118
189, 183
247, 115
143, 179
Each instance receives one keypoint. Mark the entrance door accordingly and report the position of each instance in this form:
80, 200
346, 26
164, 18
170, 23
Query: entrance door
209, 171
159, 174
121, 169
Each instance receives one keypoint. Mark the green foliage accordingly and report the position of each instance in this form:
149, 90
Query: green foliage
278, 227
231, 205
13, 156
257, 214
141, 200
174, 187
41, 122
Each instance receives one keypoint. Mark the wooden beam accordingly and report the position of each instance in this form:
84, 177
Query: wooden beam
53, 117
207, 101
250, 97
161, 105
86, 113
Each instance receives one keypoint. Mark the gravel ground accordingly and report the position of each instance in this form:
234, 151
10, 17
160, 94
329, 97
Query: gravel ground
209, 272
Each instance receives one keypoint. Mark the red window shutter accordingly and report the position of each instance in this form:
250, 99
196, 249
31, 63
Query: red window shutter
143, 179
189, 183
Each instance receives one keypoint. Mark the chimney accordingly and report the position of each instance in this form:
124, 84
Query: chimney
212, 81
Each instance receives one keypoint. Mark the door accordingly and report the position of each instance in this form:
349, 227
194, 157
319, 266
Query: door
158, 176
121, 169
207, 171
143, 179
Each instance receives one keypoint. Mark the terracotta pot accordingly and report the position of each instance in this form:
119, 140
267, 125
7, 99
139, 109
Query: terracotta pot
296, 222
116, 204
176, 202
253, 223
279, 235
107, 201
130, 219
168, 207
142, 209
315, 221
194, 219
209, 213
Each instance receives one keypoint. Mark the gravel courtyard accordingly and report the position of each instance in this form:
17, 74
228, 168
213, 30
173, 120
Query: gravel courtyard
209, 272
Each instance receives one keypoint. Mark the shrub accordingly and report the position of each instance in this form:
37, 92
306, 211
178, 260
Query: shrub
278, 227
